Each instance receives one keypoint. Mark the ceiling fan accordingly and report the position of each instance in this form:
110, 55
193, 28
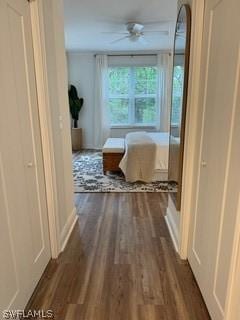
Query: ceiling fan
136, 32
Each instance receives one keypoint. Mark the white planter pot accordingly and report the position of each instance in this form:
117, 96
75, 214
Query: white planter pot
76, 139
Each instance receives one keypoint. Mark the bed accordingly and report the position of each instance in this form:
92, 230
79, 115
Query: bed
146, 156
161, 164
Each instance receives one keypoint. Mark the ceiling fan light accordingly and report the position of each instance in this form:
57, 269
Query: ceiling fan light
133, 27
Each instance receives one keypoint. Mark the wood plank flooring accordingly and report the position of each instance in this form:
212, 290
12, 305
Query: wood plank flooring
120, 265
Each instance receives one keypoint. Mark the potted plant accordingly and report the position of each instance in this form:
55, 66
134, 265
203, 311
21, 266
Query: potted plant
75, 104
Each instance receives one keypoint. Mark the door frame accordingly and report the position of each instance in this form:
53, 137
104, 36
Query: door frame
192, 160
233, 290
38, 36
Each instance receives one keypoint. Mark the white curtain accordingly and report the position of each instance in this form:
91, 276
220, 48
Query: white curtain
101, 114
164, 91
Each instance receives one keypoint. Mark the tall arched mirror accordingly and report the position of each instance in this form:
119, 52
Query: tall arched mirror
179, 100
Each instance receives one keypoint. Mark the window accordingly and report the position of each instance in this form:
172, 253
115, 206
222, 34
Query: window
178, 79
132, 93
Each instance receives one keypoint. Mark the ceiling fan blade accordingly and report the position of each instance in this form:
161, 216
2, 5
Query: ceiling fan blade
118, 40
149, 23
112, 32
163, 32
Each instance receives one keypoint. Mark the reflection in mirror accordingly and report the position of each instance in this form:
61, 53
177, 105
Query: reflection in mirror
179, 100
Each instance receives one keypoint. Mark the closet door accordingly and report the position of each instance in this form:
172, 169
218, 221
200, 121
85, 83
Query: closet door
214, 219
24, 234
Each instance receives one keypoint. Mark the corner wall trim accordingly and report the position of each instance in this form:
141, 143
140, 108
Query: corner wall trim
41, 72
173, 229
68, 228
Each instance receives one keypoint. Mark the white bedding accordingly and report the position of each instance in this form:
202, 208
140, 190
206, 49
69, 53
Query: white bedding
146, 156
162, 141
138, 163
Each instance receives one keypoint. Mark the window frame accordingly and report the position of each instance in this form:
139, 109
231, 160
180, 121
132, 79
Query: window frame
132, 96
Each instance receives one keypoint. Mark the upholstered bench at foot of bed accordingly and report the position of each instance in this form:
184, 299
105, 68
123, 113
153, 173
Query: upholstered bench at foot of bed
113, 152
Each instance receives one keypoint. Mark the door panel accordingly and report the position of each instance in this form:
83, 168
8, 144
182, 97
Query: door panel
21, 153
216, 204
18, 42
9, 280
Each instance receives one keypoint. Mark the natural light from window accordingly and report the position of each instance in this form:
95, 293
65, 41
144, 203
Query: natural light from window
178, 78
132, 96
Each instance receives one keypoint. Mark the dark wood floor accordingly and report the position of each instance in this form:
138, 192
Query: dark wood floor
120, 265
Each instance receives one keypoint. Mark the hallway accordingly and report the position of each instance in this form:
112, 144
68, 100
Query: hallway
120, 264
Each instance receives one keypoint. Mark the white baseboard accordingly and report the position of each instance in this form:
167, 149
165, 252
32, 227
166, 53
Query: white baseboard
91, 148
68, 228
173, 226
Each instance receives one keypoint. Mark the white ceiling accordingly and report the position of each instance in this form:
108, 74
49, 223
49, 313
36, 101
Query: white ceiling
87, 20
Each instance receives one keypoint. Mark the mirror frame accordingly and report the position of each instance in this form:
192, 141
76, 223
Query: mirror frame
176, 197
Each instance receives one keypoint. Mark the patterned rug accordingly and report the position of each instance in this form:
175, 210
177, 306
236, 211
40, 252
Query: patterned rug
88, 177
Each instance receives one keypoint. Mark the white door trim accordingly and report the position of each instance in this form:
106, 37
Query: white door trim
45, 123
233, 290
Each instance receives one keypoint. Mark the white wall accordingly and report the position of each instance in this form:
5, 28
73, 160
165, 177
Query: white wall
81, 75
81, 68
57, 87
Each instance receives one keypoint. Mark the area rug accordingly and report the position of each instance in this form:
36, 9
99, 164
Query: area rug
88, 177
